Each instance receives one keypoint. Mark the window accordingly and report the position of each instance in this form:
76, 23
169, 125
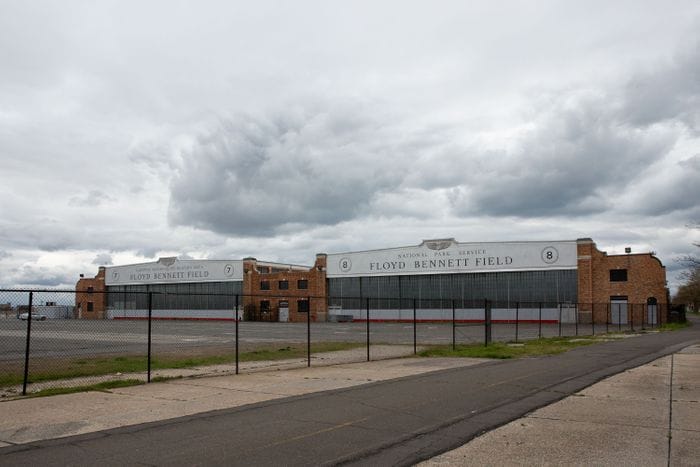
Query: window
265, 306
302, 284
302, 306
264, 285
90, 306
91, 289
618, 275
283, 285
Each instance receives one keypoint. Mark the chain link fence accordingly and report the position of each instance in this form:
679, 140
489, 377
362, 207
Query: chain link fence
46, 341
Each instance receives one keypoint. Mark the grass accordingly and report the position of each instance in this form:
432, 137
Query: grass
674, 326
98, 366
296, 351
531, 348
500, 350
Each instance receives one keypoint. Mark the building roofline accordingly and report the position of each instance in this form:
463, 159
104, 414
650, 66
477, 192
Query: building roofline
263, 263
512, 242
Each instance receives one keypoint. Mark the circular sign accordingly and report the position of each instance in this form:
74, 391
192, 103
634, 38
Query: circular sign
345, 264
550, 255
228, 270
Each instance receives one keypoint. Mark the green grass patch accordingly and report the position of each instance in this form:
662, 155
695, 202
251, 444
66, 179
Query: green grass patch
295, 351
674, 326
531, 348
77, 368
98, 366
103, 387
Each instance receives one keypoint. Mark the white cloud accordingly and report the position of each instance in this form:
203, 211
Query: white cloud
129, 132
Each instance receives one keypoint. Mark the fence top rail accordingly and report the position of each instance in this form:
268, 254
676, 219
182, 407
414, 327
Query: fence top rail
40, 290
296, 295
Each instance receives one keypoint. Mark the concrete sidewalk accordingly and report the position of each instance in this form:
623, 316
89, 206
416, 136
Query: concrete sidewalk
27, 420
649, 415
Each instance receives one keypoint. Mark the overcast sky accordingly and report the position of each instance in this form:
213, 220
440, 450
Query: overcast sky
134, 130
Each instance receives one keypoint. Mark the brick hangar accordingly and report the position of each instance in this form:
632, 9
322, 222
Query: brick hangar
567, 281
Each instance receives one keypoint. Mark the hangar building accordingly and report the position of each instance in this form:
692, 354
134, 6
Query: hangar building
544, 280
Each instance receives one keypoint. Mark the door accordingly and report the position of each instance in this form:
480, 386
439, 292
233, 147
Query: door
652, 308
284, 312
618, 310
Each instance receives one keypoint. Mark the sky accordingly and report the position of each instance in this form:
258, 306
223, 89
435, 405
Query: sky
134, 130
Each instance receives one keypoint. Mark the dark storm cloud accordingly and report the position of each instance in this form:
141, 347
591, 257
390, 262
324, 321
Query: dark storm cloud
565, 165
44, 234
670, 92
252, 175
36, 276
580, 152
587, 151
677, 191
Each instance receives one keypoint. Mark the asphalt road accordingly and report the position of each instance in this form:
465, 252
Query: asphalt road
73, 338
397, 422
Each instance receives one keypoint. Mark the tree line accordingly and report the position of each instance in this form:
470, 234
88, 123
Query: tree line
689, 291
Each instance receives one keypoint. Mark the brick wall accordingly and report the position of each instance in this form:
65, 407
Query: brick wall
646, 278
90, 299
255, 273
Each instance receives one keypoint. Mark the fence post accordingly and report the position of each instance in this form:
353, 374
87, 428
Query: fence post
517, 315
576, 311
608, 312
453, 324
367, 315
630, 316
560, 320
308, 334
539, 332
237, 319
415, 339
150, 314
619, 318
26, 352
487, 322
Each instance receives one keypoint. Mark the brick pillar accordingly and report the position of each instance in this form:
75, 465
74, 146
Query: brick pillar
250, 279
585, 247
318, 288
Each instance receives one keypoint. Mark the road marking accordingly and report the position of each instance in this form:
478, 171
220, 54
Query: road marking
505, 381
313, 433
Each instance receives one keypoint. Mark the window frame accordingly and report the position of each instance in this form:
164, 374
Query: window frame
303, 306
618, 275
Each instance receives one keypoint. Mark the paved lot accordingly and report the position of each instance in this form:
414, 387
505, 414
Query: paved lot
68, 338
395, 422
